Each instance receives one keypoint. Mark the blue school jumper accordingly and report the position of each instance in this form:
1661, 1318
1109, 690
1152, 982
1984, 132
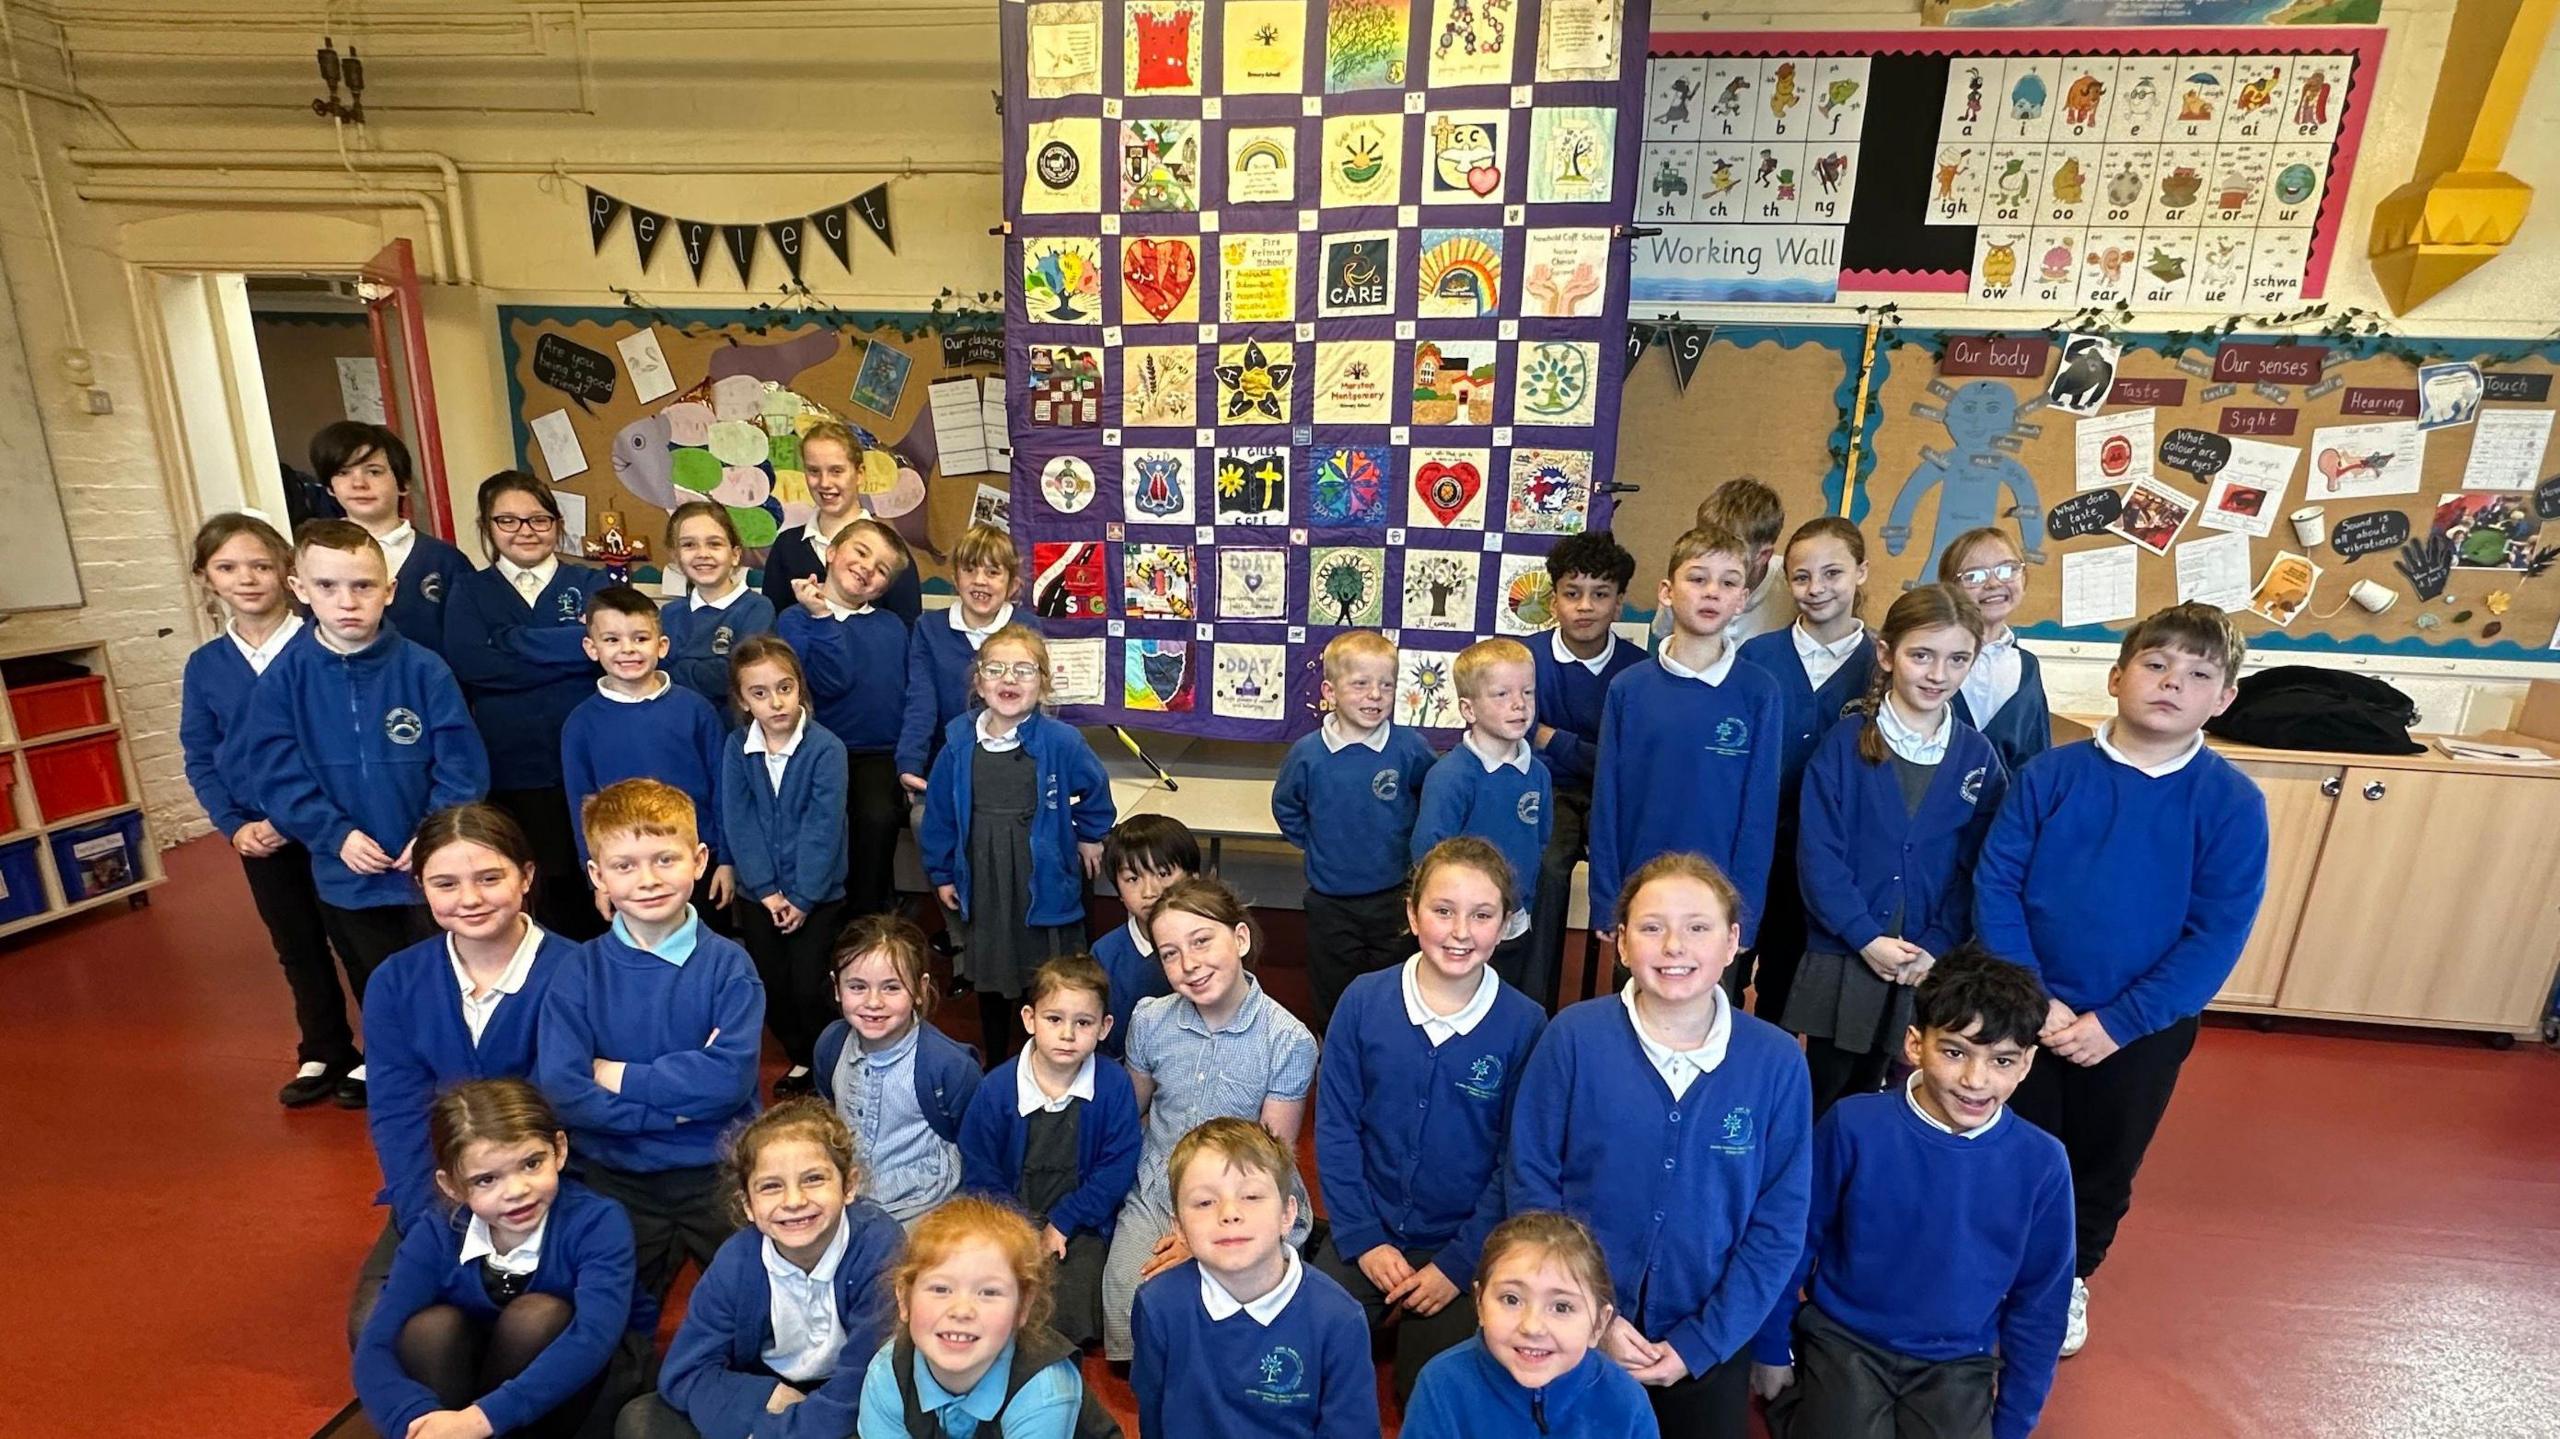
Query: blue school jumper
524, 666
1570, 698
715, 1373
1465, 1393
1136, 974
789, 843
1513, 810
947, 1074
1353, 809
213, 707
685, 1084
1863, 858
1685, 765
1409, 1136
674, 736
423, 588
2023, 728
857, 669
699, 639
1938, 1247
373, 741
586, 1261
939, 685
1306, 1375
793, 557
1698, 1202
994, 1130
2129, 896
416, 1046
1075, 807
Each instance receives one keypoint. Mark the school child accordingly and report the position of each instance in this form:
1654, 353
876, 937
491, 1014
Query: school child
782, 795
1822, 664
516, 635
1675, 1126
243, 563
1055, 1130
650, 1036
1753, 514
2004, 692
1492, 783
1217, 1047
856, 656
641, 724
718, 611
352, 738
1940, 1243
1242, 1337
776, 1334
1145, 855
1590, 572
1012, 832
942, 653
1347, 795
1690, 744
973, 1352
2144, 809
1535, 1368
464, 1005
504, 1312
1897, 799
832, 456
901, 1083
1413, 1101
366, 468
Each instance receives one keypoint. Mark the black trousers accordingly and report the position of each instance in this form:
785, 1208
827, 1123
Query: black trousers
1542, 965
1713, 1405
364, 938
875, 806
2105, 1115
1418, 1337
289, 905
1847, 1388
676, 1214
1349, 936
564, 901
1769, 966
799, 1002
1838, 1073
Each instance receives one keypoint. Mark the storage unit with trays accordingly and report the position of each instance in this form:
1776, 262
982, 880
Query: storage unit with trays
76, 837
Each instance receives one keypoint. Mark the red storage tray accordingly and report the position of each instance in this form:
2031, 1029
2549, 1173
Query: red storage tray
75, 777
8, 793
59, 705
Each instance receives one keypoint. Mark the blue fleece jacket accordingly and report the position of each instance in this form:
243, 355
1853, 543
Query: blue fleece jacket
939, 686
857, 669
689, 1035
1512, 810
1937, 1247
1570, 698
994, 1131
1352, 810
2131, 897
374, 741
1136, 974
416, 1046
715, 1374
586, 1260
423, 590
1075, 808
699, 641
674, 736
1408, 1135
1305, 1375
789, 843
1685, 765
2023, 728
213, 707
1698, 1201
1863, 858
947, 1072
525, 667
1465, 1393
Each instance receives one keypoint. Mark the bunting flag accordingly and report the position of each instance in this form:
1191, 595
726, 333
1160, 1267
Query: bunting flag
873, 206
696, 235
786, 238
1640, 338
741, 240
646, 227
601, 208
830, 226
1688, 344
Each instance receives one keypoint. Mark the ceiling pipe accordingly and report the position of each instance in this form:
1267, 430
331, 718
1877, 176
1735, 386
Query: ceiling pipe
448, 174
309, 198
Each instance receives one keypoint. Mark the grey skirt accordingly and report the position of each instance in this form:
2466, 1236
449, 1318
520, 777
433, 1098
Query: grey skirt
1837, 998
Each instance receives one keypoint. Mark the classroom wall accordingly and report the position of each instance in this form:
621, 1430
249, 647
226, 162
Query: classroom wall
790, 106
298, 352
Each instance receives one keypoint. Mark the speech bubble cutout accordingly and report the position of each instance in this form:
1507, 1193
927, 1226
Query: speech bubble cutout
2083, 514
2369, 533
2546, 498
584, 375
2200, 453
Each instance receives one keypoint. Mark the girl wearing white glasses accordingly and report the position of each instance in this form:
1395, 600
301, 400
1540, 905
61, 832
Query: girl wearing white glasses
2003, 695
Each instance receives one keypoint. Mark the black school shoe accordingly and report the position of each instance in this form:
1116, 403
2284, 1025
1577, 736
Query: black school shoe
305, 1090
350, 1092
787, 1085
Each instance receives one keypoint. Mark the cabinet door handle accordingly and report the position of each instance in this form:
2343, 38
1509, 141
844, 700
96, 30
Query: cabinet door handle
2374, 790
2333, 785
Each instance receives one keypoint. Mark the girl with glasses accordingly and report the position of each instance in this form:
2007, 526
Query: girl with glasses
2003, 695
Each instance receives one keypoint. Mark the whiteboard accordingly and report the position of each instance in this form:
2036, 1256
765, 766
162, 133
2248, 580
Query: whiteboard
40, 574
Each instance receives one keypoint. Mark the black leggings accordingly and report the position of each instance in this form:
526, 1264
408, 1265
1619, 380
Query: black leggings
564, 902
875, 806
462, 1358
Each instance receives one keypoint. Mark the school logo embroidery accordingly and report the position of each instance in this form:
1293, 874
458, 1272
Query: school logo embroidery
1484, 1078
720, 640
432, 588
403, 726
1971, 789
1528, 807
1280, 1377
1383, 784
1731, 735
1733, 1135
570, 606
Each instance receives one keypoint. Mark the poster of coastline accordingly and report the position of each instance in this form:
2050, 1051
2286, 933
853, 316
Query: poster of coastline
2017, 14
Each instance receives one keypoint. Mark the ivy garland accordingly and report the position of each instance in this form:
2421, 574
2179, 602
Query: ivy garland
951, 312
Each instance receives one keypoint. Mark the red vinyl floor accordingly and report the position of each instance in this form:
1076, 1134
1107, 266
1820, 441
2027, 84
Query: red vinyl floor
2341, 1233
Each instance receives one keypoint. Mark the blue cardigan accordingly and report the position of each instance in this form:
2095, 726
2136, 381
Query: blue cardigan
792, 843
1075, 806
1809, 713
1862, 856
994, 1131
699, 641
715, 1374
1465, 1393
213, 704
524, 666
586, 1260
938, 684
947, 1074
2023, 728
416, 1046
424, 587
1136, 974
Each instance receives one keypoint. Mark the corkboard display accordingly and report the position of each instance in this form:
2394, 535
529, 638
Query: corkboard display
2392, 498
